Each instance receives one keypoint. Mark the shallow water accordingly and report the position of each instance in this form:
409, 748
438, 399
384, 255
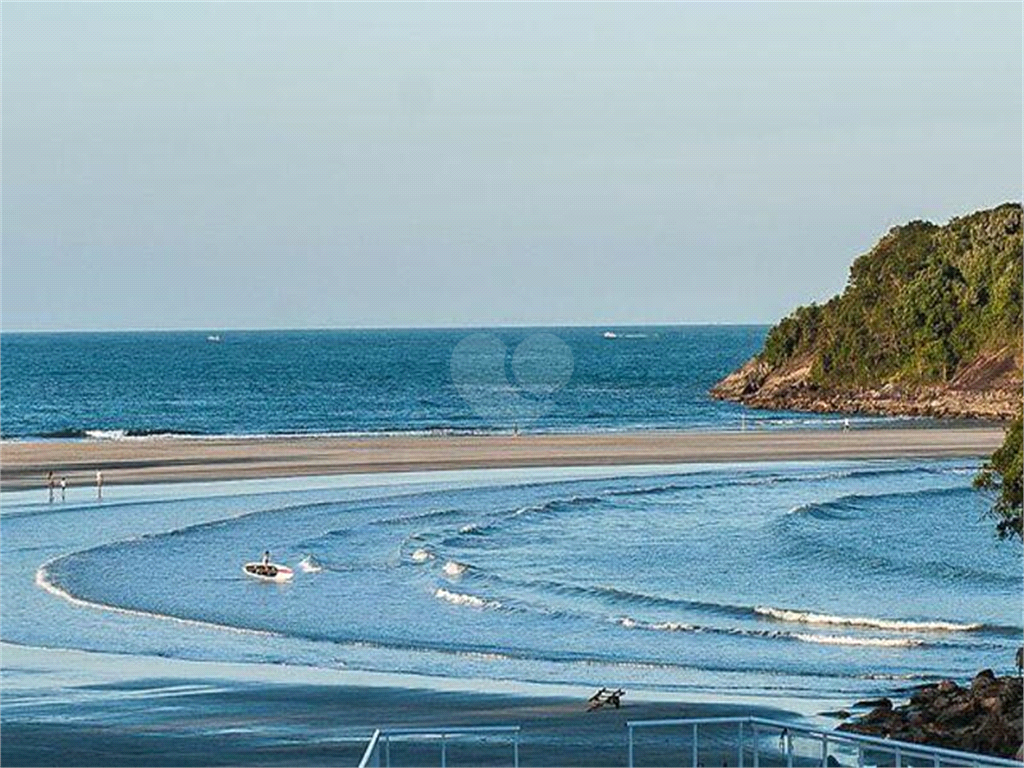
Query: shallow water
810, 580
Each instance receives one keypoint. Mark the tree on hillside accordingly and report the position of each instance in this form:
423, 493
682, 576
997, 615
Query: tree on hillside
1003, 471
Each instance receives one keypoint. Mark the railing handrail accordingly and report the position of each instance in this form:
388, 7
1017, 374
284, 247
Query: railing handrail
370, 747
449, 730
832, 735
382, 738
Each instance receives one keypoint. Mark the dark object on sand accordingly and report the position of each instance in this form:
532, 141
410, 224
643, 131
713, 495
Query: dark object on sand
604, 696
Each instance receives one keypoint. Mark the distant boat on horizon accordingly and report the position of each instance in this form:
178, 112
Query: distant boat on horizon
610, 335
213, 337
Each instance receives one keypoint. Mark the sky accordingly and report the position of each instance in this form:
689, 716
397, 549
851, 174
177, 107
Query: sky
310, 165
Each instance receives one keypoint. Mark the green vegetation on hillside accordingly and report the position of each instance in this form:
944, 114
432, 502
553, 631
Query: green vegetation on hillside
1006, 464
925, 300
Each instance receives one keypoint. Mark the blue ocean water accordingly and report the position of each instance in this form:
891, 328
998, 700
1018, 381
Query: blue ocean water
73, 385
808, 580
834, 580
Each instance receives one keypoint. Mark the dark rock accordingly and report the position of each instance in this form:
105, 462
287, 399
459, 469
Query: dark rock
983, 679
882, 703
984, 718
839, 714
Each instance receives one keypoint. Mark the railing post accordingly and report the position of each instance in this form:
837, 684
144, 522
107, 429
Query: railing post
824, 750
694, 745
899, 758
757, 747
788, 742
515, 750
860, 756
387, 752
936, 761
630, 746
739, 756
444, 755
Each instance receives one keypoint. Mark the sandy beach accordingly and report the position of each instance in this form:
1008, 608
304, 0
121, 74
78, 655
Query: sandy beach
161, 460
127, 710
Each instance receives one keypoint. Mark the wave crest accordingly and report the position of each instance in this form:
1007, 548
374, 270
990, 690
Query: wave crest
460, 598
453, 568
894, 625
874, 642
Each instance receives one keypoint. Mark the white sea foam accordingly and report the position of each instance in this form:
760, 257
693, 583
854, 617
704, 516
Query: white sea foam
673, 626
43, 582
895, 625
887, 676
471, 528
310, 564
452, 568
421, 556
878, 642
458, 598
664, 626
106, 434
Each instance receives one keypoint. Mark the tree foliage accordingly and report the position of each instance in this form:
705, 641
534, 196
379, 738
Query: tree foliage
1004, 472
925, 299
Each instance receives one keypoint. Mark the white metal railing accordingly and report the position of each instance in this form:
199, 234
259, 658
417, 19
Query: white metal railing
848, 744
382, 738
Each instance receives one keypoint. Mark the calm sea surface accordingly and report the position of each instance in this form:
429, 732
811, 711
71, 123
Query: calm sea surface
811, 579
805, 580
111, 385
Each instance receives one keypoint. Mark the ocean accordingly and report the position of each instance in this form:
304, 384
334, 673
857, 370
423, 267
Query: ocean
253, 383
786, 581
811, 580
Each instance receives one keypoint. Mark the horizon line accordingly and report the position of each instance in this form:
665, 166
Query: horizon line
239, 329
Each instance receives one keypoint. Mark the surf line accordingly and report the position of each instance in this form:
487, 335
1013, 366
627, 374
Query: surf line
43, 582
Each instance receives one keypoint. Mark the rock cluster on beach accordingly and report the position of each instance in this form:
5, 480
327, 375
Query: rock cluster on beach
988, 389
984, 717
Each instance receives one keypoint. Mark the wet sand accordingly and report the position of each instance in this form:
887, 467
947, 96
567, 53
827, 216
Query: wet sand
72, 708
162, 460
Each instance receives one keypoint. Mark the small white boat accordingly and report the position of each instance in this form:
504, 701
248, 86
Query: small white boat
268, 572
610, 335
213, 337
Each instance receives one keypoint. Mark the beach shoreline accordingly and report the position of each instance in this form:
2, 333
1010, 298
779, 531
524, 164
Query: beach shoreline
254, 714
25, 465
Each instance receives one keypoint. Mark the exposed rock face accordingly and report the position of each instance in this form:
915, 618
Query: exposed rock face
985, 717
929, 324
989, 388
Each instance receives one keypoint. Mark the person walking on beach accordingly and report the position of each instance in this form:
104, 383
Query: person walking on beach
63, 488
99, 485
50, 485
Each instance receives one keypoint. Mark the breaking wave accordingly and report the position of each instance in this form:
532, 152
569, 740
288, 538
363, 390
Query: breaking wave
893, 625
874, 642
421, 556
452, 568
459, 598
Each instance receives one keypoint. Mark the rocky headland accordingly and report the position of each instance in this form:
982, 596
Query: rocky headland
928, 325
983, 717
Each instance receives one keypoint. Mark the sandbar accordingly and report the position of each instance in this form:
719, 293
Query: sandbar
166, 460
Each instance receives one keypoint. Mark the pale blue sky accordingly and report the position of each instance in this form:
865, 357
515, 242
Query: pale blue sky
246, 165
